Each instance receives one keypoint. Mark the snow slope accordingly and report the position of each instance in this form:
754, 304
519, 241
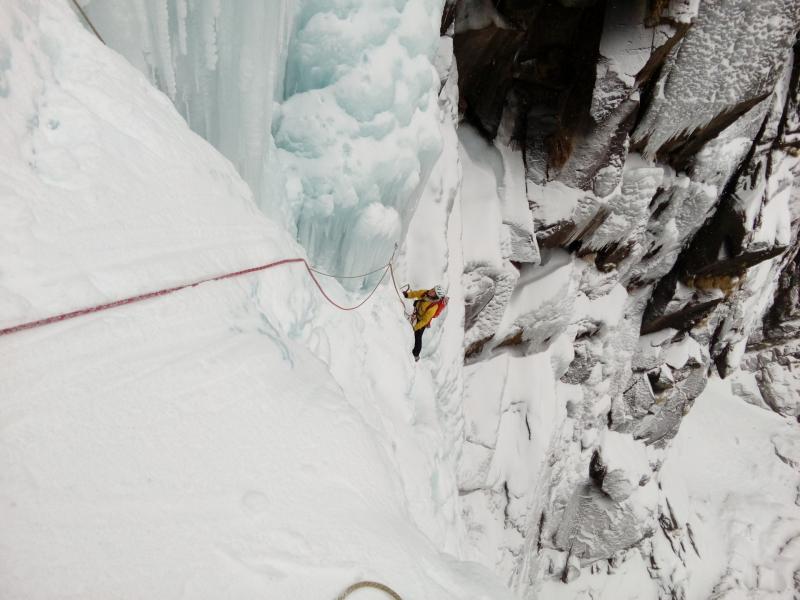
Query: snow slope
730, 484
233, 440
732, 479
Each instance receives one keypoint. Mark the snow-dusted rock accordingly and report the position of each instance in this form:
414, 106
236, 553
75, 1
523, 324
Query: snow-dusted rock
595, 526
536, 311
623, 464
708, 77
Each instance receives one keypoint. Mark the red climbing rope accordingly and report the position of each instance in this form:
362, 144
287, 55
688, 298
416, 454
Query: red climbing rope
329, 299
130, 300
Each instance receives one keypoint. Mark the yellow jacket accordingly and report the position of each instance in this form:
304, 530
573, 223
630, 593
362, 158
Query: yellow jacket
425, 309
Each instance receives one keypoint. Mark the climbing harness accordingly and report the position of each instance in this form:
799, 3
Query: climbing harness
369, 584
88, 21
312, 271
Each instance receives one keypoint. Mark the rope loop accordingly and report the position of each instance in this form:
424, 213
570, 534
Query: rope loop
369, 584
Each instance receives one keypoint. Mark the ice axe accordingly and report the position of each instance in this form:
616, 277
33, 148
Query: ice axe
412, 316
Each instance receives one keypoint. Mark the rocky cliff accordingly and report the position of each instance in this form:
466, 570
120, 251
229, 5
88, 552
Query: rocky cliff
659, 146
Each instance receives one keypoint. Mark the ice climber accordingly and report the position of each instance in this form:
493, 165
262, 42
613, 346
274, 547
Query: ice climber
428, 305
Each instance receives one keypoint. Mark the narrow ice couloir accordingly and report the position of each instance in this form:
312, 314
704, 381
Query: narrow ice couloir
238, 439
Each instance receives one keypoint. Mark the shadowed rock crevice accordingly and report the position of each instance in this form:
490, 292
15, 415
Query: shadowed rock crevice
546, 58
683, 320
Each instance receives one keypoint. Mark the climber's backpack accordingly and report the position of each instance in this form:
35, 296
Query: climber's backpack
440, 306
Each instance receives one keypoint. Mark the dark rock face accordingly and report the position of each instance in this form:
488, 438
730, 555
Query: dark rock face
554, 70
785, 309
546, 61
655, 409
486, 61
659, 171
682, 320
780, 322
597, 147
679, 151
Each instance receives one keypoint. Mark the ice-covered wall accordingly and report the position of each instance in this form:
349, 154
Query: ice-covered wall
328, 110
221, 64
358, 127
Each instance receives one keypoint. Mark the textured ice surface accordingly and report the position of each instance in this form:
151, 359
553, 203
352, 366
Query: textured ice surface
432, 255
358, 129
340, 154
